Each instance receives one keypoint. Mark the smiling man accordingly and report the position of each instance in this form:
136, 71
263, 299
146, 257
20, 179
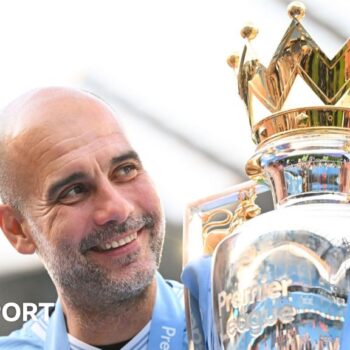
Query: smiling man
75, 192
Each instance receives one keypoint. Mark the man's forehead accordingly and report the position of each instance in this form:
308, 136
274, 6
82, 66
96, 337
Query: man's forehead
52, 157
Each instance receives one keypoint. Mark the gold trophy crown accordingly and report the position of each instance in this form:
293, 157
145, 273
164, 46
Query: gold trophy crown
267, 91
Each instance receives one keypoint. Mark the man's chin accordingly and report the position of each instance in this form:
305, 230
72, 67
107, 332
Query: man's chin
110, 291
133, 272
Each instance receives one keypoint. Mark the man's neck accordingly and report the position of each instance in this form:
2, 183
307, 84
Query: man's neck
122, 323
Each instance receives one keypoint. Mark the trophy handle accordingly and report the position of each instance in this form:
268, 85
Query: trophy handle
207, 222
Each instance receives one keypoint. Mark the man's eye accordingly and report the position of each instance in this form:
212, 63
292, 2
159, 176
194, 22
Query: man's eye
72, 194
126, 172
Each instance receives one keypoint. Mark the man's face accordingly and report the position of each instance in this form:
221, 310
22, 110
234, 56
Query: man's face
91, 207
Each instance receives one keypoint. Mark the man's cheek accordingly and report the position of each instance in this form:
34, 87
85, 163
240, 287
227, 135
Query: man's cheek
73, 226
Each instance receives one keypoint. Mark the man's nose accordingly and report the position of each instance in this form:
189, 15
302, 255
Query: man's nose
111, 204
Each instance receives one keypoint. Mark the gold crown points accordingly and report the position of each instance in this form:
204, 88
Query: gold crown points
249, 32
233, 60
297, 55
296, 10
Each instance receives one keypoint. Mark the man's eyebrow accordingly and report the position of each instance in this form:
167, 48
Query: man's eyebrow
126, 156
56, 186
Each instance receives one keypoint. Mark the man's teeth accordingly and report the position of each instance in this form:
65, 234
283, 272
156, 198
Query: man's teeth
119, 242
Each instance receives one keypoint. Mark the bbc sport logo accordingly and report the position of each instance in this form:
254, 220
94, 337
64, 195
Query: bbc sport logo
12, 312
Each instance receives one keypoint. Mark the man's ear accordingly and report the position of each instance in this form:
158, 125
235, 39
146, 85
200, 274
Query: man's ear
12, 224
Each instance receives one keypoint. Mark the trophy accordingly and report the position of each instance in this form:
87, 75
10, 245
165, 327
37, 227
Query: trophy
280, 279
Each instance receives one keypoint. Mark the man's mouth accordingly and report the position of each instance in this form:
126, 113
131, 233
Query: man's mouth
115, 243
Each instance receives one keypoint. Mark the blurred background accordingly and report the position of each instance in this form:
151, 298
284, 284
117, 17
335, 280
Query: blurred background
162, 65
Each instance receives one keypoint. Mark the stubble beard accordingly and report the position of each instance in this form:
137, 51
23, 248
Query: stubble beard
91, 288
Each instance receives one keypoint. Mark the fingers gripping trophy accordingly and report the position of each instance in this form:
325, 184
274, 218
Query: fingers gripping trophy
279, 280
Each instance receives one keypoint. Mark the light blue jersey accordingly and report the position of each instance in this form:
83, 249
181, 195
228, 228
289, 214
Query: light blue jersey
167, 325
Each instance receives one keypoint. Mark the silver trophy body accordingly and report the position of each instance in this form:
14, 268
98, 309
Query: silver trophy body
282, 280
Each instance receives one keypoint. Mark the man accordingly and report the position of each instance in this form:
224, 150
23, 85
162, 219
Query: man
75, 192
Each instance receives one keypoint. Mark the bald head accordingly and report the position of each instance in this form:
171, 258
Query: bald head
49, 105
51, 116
